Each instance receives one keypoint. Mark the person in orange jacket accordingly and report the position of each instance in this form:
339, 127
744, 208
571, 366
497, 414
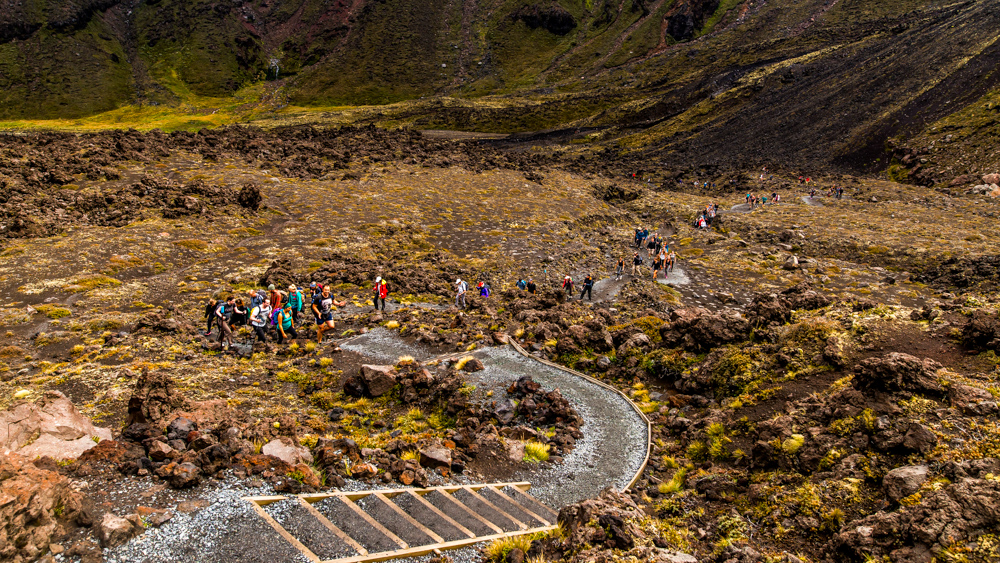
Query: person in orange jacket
381, 291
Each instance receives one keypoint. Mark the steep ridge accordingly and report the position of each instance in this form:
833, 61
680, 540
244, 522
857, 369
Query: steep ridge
817, 83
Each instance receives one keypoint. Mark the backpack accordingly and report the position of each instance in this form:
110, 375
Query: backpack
274, 316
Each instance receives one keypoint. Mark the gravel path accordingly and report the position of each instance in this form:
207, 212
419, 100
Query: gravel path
228, 530
613, 446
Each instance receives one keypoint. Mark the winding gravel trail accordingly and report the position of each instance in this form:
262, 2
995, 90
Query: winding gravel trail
614, 443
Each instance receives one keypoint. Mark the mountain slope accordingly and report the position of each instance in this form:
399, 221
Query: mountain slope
735, 82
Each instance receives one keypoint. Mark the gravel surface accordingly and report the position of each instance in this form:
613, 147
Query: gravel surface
227, 531
306, 528
614, 435
613, 446
352, 524
385, 346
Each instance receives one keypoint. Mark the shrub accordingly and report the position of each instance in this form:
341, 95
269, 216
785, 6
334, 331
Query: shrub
793, 443
535, 452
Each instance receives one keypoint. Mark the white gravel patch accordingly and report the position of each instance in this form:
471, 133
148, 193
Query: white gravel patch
228, 530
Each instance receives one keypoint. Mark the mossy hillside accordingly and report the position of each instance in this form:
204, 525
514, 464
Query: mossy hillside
396, 53
63, 74
208, 49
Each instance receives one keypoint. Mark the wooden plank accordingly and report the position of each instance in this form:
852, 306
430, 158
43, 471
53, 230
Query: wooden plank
426, 549
284, 533
517, 522
374, 523
441, 515
551, 515
469, 512
333, 527
316, 497
265, 500
411, 520
531, 513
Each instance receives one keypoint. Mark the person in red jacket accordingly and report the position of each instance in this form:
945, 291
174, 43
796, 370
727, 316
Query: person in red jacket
381, 291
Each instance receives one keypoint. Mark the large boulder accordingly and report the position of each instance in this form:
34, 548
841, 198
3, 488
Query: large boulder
435, 455
113, 530
956, 514
897, 372
981, 330
49, 427
904, 481
972, 400
371, 381
287, 452
35, 505
698, 329
154, 397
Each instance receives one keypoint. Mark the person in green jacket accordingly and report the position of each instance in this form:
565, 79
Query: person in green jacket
295, 299
286, 328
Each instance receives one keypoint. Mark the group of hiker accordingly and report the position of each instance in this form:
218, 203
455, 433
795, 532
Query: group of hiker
275, 313
657, 251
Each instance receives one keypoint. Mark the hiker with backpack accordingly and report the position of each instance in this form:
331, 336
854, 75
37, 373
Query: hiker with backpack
323, 308
295, 299
284, 324
460, 288
259, 317
484, 289
567, 285
239, 317
521, 284
636, 263
273, 297
223, 313
210, 315
588, 288
381, 291
531, 287
315, 292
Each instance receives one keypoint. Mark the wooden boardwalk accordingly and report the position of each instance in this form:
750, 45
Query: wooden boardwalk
377, 525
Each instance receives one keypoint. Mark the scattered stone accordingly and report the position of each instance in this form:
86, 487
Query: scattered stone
113, 530
904, 481
50, 427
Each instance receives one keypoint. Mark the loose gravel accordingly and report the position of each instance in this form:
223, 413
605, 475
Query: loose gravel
306, 528
227, 530
613, 446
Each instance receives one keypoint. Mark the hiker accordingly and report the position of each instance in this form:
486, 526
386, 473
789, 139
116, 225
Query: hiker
531, 286
273, 296
240, 314
460, 288
661, 263
636, 263
210, 315
259, 317
256, 297
650, 245
295, 300
381, 291
567, 285
222, 314
315, 292
323, 308
620, 268
484, 289
284, 325
588, 288
671, 260
638, 237
521, 284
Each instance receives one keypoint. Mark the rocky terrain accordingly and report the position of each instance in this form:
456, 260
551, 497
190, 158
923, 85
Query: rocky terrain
820, 374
